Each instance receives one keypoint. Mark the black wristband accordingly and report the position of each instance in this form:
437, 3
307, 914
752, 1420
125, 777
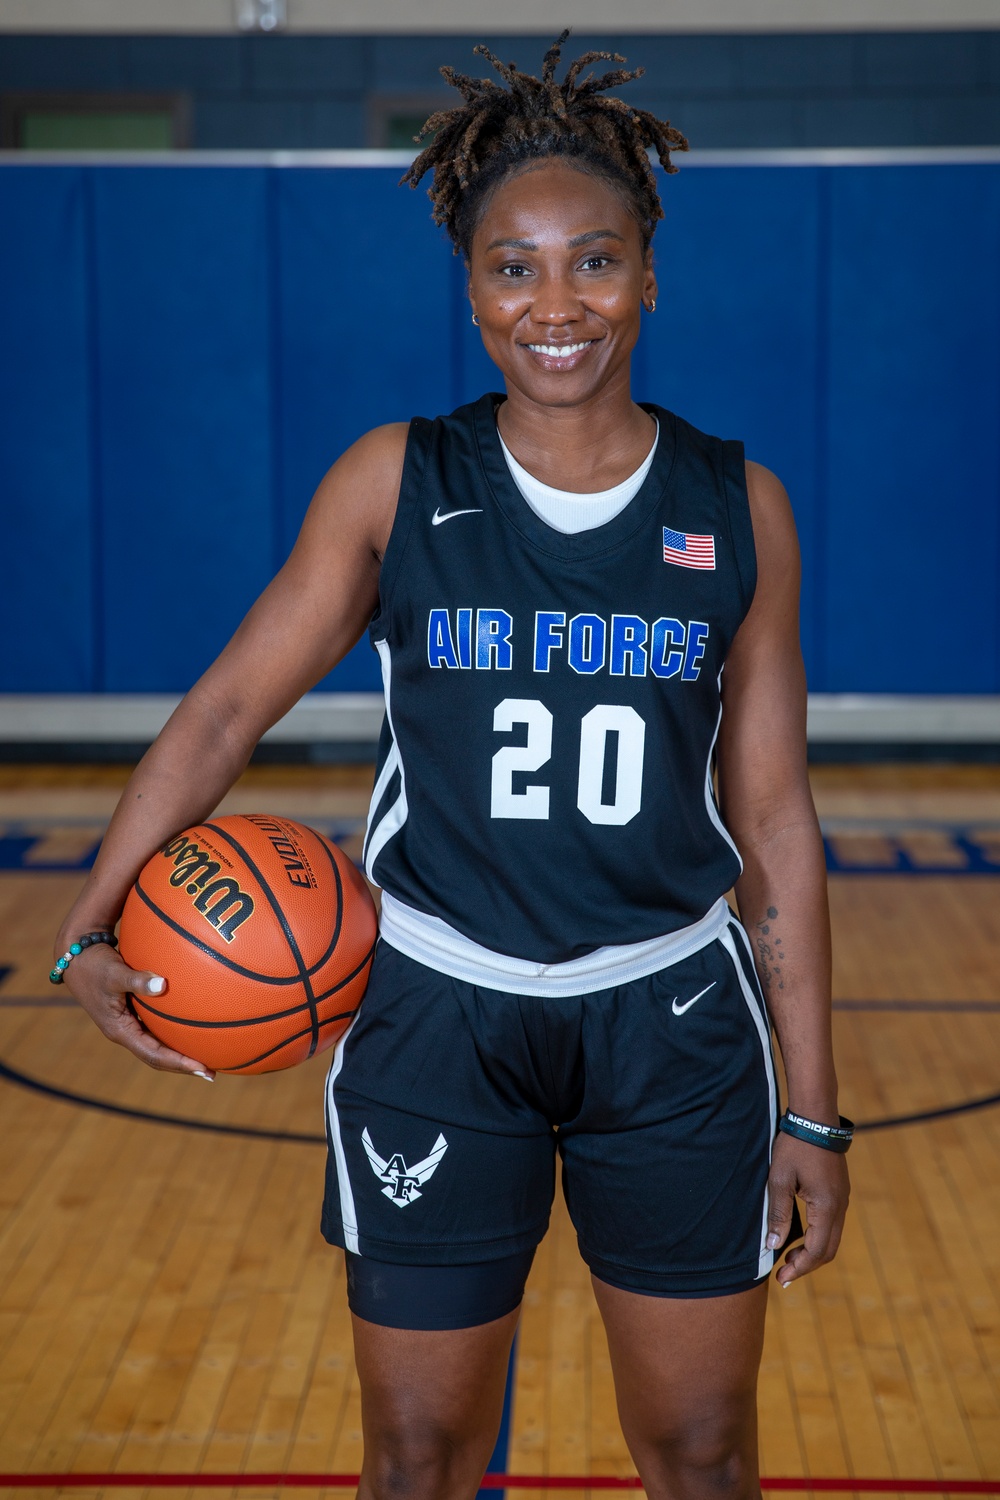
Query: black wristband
830, 1137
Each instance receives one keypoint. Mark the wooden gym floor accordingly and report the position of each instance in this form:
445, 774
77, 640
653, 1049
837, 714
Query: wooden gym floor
167, 1306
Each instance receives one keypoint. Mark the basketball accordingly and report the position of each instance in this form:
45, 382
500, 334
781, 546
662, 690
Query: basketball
264, 931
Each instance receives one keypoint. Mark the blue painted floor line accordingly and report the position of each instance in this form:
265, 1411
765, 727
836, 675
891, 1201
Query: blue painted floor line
962, 848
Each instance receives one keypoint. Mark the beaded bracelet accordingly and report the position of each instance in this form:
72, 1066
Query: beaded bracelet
830, 1137
74, 950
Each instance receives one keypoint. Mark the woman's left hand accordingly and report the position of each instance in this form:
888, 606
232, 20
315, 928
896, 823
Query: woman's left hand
820, 1179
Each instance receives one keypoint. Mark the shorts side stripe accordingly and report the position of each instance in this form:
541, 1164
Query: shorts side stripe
348, 1214
766, 1260
750, 970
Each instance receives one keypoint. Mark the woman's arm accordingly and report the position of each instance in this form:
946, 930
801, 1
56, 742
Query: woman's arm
306, 620
767, 806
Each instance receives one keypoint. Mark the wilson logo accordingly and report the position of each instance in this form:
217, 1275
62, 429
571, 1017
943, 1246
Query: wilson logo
218, 898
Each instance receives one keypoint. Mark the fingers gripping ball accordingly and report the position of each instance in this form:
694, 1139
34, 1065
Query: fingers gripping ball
264, 932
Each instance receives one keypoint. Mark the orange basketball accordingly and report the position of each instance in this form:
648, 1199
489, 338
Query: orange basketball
264, 932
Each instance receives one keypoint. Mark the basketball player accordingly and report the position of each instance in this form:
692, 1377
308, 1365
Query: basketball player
554, 579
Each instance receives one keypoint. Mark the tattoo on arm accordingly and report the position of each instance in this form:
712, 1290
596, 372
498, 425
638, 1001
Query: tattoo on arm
772, 956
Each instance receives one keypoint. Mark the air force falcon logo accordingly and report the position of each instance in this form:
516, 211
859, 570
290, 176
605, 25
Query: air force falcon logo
403, 1183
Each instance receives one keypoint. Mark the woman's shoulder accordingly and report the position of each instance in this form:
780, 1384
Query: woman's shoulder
368, 475
767, 495
378, 448
775, 538
358, 493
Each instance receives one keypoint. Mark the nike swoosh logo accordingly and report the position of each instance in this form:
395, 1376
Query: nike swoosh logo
437, 517
679, 1010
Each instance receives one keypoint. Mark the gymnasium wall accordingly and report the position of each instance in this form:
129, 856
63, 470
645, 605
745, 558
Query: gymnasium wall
186, 348
785, 89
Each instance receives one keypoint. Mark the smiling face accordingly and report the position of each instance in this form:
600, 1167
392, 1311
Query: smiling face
557, 278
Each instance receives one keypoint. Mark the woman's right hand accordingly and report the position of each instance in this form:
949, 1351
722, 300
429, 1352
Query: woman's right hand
101, 982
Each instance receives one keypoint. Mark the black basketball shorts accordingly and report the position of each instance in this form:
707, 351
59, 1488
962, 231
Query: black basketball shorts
447, 1104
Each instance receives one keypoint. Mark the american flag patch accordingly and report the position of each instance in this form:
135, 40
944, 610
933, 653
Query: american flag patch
688, 551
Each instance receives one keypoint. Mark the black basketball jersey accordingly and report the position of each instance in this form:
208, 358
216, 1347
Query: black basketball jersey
552, 701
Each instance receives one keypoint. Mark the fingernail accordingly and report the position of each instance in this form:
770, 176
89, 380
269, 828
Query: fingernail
157, 985
784, 1285
773, 1240
207, 1076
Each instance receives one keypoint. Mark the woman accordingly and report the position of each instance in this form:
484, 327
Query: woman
554, 580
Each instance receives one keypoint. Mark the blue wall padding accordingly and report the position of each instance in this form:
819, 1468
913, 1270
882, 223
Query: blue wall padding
734, 344
184, 393
51, 534
186, 350
364, 291
912, 522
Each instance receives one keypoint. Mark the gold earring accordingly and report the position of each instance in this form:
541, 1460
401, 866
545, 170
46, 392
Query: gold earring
475, 320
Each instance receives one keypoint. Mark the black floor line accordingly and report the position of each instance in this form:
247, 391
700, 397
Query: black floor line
37, 1086
968, 1106
36, 1002
987, 1007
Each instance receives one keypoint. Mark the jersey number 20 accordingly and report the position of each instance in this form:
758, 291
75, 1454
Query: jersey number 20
608, 791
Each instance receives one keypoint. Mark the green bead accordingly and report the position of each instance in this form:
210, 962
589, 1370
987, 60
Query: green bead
75, 948
56, 976
62, 963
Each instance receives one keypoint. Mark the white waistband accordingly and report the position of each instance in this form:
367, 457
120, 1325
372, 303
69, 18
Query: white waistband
432, 942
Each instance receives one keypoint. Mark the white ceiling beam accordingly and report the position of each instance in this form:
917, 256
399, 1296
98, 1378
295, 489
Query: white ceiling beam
218, 17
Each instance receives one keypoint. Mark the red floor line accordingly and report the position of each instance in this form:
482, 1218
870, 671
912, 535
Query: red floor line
490, 1482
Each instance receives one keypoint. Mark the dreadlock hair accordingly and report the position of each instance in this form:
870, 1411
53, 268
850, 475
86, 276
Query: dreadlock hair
498, 129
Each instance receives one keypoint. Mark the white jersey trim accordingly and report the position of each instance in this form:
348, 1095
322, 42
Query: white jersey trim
710, 803
432, 942
379, 834
766, 1260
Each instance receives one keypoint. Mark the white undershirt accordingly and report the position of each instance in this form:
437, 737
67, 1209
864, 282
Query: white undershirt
568, 512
